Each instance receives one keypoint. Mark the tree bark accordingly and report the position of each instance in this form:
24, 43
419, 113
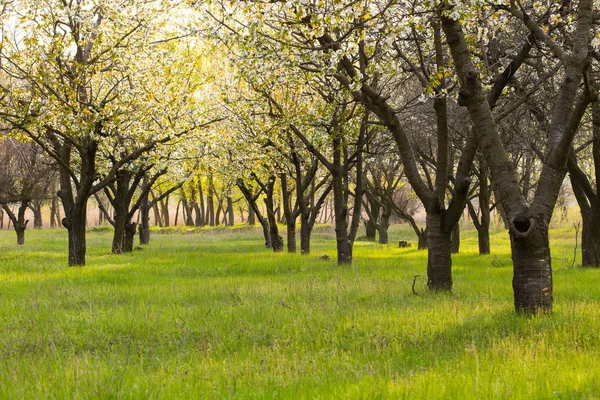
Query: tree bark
210, 202
455, 239
532, 280
18, 221
290, 215
439, 260
590, 237
128, 239
251, 216
276, 240
144, 227
230, 216
36, 208
75, 222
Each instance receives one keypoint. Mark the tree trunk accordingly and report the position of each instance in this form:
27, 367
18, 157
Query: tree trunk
164, 208
422, 237
210, 203
19, 222
20, 230
54, 213
144, 228
455, 239
218, 214
119, 231
276, 240
343, 244
251, 216
36, 207
483, 238
305, 231
75, 224
128, 240
590, 237
532, 281
439, 259
230, 216
370, 231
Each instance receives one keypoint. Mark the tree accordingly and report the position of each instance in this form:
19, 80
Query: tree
26, 175
532, 281
78, 88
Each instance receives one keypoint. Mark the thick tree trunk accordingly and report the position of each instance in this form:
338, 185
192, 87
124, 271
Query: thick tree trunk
75, 223
532, 281
439, 259
590, 237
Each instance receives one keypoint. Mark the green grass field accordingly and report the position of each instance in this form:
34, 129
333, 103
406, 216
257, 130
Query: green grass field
212, 314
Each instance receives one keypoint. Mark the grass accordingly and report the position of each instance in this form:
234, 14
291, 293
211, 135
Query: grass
212, 314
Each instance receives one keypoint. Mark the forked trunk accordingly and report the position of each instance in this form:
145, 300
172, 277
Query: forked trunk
439, 259
532, 281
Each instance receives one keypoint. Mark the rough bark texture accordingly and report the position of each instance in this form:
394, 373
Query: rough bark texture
75, 222
439, 260
532, 280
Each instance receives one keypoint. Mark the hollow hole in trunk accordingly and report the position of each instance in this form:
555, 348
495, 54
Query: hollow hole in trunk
522, 224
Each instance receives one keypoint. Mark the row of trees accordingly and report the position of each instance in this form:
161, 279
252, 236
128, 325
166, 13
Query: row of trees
477, 104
